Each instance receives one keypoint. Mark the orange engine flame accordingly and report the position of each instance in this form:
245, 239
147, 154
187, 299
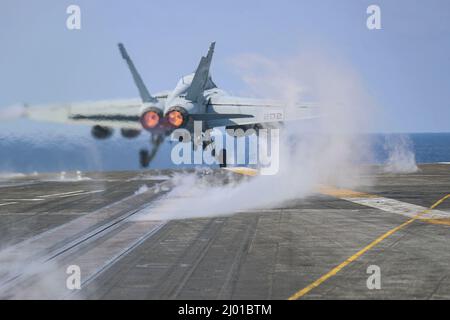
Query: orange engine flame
175, 118
150, 119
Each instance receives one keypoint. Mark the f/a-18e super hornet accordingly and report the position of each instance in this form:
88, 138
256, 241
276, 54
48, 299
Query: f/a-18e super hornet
195, 98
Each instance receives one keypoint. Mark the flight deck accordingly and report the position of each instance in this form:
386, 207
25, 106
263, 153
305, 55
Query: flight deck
318, 247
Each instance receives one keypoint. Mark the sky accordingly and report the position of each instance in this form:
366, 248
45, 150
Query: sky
405, 66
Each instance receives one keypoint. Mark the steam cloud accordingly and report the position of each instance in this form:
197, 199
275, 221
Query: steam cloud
312, 152
401, 158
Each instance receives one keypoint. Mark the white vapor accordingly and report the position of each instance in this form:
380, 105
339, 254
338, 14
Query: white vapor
141, 189
12, 112
312, 152
401, 157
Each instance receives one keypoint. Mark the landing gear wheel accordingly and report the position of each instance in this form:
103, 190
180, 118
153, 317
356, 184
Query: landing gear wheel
206, 144
144, 158
223, 158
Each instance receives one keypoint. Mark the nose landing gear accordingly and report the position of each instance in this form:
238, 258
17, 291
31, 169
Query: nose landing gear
221, 157
146, 156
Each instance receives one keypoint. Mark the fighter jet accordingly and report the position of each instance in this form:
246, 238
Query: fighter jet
195, 98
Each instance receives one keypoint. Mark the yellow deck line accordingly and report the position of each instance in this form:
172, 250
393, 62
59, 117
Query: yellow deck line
445, 222
243, 170
349, 260
344, 193
347, 193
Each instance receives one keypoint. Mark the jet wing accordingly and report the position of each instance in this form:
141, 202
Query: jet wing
235, 111
108, 113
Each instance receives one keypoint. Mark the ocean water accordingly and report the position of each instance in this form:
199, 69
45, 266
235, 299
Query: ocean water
70, 152
426, 147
